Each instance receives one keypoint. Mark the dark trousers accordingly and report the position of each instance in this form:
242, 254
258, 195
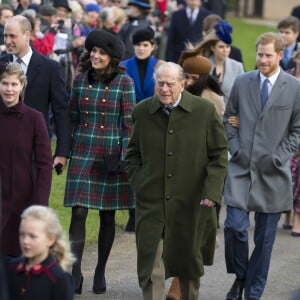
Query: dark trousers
254, 270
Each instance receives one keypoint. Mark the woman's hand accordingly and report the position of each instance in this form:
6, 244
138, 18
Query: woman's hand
234, 121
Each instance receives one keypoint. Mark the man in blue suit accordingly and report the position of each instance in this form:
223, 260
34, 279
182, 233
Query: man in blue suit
45, 85
185, 26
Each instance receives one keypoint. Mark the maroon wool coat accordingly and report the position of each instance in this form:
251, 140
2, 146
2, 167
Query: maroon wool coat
25, 169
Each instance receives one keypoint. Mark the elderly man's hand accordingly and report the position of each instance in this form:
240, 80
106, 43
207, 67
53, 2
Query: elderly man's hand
208, 203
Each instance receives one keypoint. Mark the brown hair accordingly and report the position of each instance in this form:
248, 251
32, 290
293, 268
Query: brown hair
210, 21
105, 75
271, 37
290, 22
6, 7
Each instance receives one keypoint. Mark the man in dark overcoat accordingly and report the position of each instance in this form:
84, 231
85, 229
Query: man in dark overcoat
185, 26
45, 85
176, 162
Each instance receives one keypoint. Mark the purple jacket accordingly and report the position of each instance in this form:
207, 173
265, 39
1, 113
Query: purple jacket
25, 169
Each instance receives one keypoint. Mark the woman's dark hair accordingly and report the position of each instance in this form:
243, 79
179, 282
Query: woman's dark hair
205, 81
105, 75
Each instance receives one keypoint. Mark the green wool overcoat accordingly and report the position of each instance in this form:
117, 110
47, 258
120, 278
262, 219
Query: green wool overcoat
174, 162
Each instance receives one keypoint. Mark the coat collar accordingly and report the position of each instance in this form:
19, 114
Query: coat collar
36, 269
17, 109
185, 103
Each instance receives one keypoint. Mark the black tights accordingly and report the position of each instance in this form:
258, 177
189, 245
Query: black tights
105, 238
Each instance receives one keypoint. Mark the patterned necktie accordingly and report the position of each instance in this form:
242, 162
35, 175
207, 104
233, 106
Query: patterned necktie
167, 109
264, 93
22, 64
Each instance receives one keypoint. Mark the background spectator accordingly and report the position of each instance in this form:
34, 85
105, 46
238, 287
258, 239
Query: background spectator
289, 29
6, 12
137, 19
185, 26
216, 46
209, 24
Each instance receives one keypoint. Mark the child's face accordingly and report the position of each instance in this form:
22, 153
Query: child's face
10, 90
34, 241
289, 36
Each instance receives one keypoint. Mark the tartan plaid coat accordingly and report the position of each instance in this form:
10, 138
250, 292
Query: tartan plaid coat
101, 124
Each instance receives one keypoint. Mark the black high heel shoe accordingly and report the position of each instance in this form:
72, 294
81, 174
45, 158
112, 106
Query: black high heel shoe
78, 288
99, 284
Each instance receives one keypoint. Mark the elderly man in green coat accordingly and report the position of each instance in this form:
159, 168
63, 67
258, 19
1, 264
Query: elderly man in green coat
176, 163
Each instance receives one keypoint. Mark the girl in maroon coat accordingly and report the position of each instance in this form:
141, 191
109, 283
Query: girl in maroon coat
25, 157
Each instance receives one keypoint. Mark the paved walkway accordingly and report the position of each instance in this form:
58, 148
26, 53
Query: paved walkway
284, 276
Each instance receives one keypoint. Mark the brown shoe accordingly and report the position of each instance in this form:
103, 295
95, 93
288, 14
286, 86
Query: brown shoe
174, 291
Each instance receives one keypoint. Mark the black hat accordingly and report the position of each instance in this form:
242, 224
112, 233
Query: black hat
62, 3
140, 3
143, 34
106, 40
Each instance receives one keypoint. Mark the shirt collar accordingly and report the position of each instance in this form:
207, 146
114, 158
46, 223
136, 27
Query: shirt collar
178, 100
272, 78
291, 48
189, 12
26, 58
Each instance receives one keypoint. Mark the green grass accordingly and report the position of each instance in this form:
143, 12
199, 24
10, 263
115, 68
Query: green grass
244, 37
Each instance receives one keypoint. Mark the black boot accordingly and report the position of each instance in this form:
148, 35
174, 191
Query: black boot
99, 283
130, 226
236, 291
77, 279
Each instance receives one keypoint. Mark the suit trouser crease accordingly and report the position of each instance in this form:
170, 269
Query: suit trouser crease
255, 270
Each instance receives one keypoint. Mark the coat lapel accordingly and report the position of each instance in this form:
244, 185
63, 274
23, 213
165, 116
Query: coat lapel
276, 92
254, 91
33, 69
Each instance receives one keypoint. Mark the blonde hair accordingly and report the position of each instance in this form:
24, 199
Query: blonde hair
61, 247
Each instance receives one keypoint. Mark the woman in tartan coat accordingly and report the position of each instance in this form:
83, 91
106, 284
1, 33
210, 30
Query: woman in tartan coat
101, 104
